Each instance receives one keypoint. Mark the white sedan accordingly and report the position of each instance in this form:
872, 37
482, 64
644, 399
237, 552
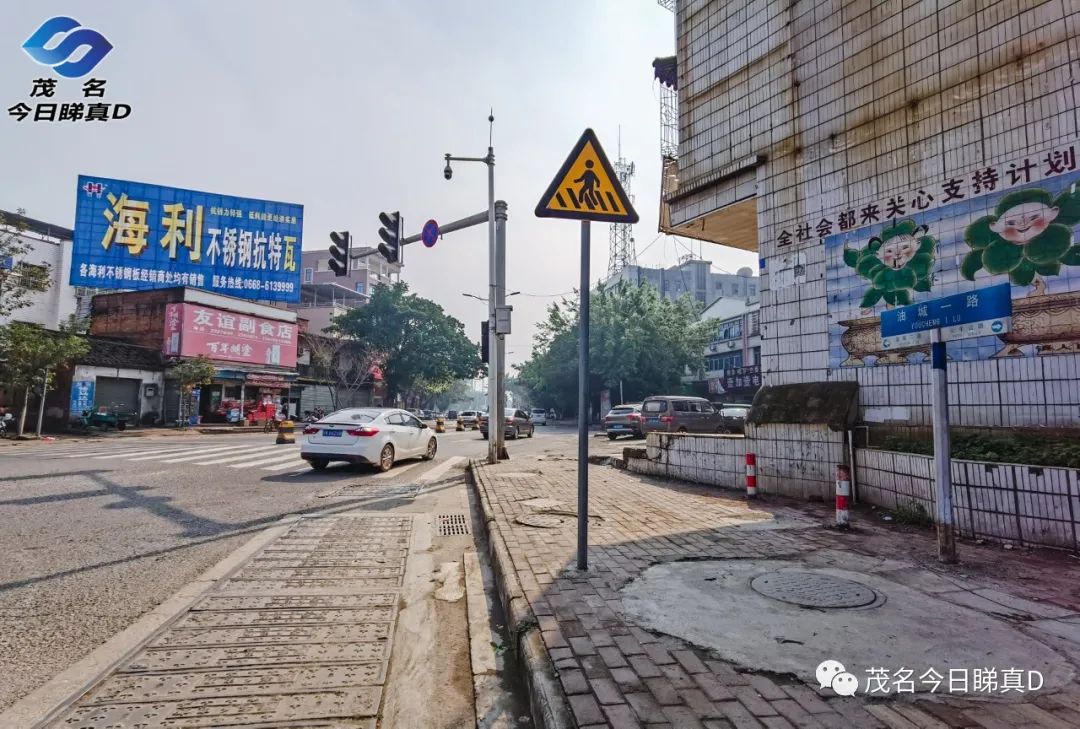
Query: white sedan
375, 436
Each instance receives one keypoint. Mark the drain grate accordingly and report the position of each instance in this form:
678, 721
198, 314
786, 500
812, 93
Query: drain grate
808, 589
451, 525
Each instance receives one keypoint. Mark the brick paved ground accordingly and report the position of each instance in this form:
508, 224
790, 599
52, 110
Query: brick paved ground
618, 675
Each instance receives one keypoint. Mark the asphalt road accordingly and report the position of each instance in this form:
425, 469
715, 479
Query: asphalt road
98, 532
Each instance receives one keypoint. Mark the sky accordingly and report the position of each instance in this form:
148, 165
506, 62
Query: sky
348, 110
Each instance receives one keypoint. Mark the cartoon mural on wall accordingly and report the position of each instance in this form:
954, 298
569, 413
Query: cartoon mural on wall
1025, 236
896, 263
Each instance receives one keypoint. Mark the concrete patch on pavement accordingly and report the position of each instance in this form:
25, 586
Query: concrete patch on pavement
451, 584
712, 604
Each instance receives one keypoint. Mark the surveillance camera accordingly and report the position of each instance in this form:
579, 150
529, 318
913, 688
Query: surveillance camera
448, 172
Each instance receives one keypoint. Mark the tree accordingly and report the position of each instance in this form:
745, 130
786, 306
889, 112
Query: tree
19, 281
418, 346
638, 340
30, 356
341, 363
192, 373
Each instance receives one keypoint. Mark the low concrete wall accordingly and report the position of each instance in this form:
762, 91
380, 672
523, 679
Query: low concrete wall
795, 460
718, 460
1001, 502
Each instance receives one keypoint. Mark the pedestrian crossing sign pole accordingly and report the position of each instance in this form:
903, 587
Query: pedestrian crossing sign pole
585, 188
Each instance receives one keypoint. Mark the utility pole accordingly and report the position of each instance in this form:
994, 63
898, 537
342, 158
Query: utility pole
496, 284
500, 337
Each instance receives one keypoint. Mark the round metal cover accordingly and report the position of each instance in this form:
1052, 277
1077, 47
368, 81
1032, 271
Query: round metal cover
553, 519
545, 521
808, 589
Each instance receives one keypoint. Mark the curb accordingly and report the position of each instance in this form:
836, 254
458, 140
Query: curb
547, 701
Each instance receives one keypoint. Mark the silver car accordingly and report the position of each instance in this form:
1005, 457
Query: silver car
516, 423
624, 420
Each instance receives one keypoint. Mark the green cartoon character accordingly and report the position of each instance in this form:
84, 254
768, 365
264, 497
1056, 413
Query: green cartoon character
896, 263
1028, 237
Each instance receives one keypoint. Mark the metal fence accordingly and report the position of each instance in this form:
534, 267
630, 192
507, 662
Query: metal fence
1001, 502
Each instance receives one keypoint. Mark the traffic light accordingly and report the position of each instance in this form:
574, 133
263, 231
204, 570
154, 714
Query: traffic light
339, 252
390, 248
484, 341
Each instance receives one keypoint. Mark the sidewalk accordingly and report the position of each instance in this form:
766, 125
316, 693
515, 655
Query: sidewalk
673, 559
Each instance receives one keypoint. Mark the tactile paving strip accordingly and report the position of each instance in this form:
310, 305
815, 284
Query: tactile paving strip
299, 636
134, 688
228, 711
388, 491
238, 618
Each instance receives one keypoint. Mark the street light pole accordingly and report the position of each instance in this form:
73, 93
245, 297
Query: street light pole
496, 286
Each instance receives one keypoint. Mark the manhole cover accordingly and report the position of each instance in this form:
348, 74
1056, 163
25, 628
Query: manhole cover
809, 589
549, 520
545, 521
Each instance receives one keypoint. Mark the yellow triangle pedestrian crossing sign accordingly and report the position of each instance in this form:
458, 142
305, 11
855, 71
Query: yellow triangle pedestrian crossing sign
587, 188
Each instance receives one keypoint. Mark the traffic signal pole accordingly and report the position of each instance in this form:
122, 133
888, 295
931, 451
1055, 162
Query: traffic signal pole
500, 339
496, 218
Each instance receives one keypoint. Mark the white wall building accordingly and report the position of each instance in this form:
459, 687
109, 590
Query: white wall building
50, 245
692, 276
877, 153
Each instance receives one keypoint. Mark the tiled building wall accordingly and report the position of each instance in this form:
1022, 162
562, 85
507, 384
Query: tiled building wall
847, 101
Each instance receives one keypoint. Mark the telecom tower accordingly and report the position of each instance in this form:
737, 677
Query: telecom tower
621, 251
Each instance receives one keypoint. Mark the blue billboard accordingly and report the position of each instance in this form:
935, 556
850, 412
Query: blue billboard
133, 235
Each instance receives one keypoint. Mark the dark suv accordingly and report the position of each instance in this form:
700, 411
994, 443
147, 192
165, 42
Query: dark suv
680, 414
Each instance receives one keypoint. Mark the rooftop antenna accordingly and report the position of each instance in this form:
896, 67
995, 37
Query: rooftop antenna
491, 127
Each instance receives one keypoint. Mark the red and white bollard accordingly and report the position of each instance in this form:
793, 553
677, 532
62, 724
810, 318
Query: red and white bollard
843, 493
751, 475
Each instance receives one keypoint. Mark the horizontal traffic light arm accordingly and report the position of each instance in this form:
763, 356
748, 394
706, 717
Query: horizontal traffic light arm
468, 222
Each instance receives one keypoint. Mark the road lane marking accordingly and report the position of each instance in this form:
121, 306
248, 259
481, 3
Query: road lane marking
290, 464
126, 454
436, 473
396, 470
235, 456
191, 455
266, 459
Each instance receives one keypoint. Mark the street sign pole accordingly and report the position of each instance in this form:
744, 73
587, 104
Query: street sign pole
583, 405
983, 312
942, 448
585, 188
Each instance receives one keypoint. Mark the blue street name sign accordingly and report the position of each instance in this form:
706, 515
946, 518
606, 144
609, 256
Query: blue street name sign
979, 313
430, 234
